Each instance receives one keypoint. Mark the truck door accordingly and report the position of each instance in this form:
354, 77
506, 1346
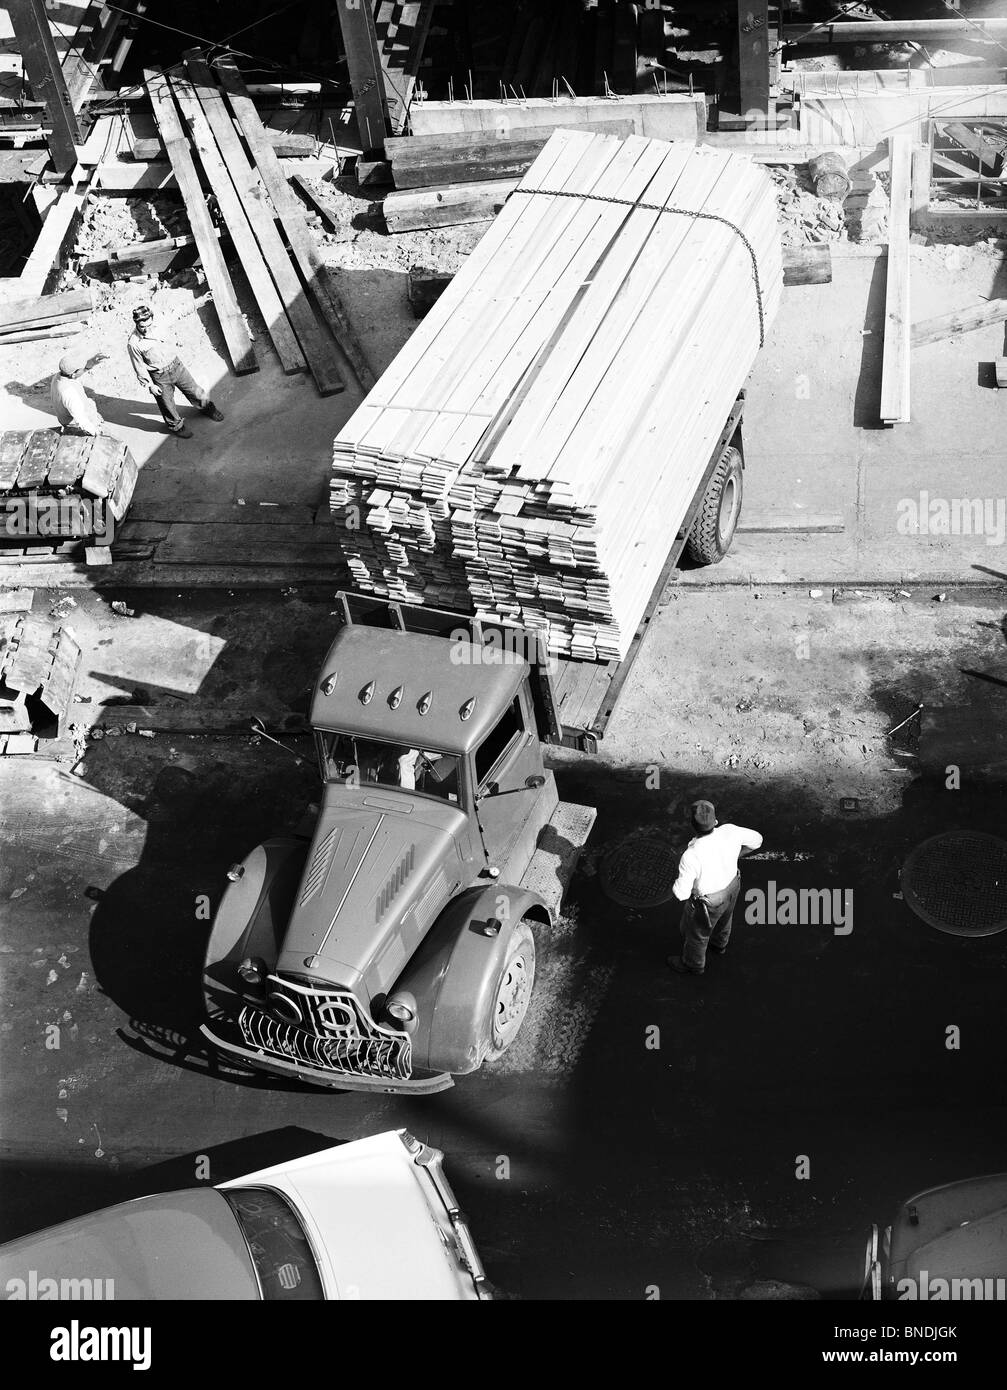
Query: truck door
507, 756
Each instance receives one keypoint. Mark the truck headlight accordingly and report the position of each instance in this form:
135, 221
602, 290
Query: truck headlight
252, 970
401, 1006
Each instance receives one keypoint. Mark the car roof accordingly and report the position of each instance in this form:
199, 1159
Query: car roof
180, 1245
421, 665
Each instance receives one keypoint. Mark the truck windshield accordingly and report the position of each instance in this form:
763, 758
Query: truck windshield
364, 761
276, 1241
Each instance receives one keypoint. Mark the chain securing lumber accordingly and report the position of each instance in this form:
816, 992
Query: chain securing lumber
683, 212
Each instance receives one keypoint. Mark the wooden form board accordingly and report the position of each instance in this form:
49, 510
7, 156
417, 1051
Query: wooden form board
896, 357
314, 344
232, 323
660, 117
532, 450
290, 212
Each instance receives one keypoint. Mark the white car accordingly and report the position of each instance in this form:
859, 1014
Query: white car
373, 1219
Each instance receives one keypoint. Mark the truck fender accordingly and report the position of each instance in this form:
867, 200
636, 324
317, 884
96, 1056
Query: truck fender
253, 914
454, 973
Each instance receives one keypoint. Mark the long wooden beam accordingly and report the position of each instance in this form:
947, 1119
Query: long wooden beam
232, 210
225, 303
317, 347
41, 62
290, 212
894, 408
367, 79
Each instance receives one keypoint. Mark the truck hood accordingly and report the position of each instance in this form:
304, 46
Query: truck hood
381, 866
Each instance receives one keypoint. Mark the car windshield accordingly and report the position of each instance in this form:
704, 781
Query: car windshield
365, 761
277, 1243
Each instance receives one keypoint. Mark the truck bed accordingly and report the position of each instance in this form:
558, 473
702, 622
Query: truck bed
576, 701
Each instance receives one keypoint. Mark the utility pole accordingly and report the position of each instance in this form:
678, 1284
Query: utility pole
367, 80
42, 66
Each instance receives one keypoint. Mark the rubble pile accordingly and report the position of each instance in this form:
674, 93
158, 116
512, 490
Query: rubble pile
804, 216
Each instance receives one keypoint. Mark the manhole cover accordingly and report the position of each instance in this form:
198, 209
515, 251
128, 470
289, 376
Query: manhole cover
958, 883
640, 873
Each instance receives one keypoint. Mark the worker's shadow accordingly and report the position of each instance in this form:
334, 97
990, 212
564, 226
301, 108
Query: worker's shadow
114, 410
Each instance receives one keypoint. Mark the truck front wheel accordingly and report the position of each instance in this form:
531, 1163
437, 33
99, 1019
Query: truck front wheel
512, 993
713, 530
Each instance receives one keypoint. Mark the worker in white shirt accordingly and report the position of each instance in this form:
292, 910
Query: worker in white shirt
158, 368
708, 884
72, 406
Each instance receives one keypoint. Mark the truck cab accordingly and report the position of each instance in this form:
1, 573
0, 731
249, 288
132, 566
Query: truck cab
391, 944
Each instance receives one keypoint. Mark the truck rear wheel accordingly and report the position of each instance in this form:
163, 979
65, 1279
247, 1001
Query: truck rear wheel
713, 530
512, 994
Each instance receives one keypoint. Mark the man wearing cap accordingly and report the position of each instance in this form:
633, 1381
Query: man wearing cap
709, 883
72, 406
158, 368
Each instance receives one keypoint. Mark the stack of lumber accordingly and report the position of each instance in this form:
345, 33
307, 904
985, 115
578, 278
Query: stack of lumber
293, 290
531, 452
44, 316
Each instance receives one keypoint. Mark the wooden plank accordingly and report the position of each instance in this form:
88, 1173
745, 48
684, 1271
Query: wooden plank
920, 196
288, 144
16, 313
894, 407
984, 150
291, 216
367, 79
307, 192
232, 323
316, 345
232, 206
673, 117
951, 325
944, 166
495, 158
450, 206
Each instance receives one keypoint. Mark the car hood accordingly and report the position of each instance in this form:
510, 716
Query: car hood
381, 866
378, 1228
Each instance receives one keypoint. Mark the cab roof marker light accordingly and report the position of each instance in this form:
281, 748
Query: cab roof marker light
395, 698
425, 701
329, 683
467, 708
367, 694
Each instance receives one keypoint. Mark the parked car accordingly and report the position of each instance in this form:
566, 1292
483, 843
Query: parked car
947, 1243
373, 1219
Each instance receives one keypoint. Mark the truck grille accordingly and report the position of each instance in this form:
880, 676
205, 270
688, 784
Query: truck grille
336, 1033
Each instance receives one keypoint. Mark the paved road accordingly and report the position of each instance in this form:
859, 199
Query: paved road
592, 1162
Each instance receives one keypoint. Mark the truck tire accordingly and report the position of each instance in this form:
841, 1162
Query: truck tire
513, 991
713, 530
